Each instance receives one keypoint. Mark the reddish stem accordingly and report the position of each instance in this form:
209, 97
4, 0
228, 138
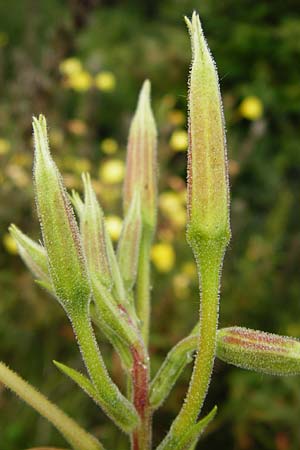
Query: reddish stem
141, 438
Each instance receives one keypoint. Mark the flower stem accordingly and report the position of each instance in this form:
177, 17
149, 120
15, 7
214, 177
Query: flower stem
209, 257
142, 435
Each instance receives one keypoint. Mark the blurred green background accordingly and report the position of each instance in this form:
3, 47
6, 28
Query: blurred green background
81, 63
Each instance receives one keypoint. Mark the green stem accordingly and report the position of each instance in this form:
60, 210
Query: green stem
115, 405
209, 257
78, 438
143, 285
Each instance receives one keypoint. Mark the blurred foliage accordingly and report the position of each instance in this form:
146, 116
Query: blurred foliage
81, 63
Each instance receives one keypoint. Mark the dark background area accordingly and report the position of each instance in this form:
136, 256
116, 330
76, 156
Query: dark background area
82, 63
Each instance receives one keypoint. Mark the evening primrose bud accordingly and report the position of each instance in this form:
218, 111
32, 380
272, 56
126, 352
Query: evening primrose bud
208, 210
59, 228
260, 351
93, 233
141, 166
33, 254
129, 243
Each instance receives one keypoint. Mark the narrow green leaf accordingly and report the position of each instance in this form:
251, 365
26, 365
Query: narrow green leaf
81, 380
33, 254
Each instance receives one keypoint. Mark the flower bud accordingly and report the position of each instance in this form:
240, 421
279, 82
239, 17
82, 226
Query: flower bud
141, 170
33, 255
59, 228
93, 233
129, 243
208, 210
260, 351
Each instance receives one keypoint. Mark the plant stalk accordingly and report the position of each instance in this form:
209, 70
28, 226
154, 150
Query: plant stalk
143, 287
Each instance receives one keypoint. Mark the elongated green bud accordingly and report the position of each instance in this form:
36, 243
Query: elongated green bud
129, 243
260, 351
33, 254
141, 170
93, 234
208, 210
59, 228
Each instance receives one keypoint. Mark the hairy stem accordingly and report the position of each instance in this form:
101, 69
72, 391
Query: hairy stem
78, 438
142, 435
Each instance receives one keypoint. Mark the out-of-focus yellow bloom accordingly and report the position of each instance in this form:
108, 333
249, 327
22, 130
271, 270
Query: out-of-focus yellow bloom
181, 286
251, 108
3, 39
114, 226
21, 159
77, 126
169, 201
179, 141
79, 81
70, 66
176, 117
4, 146
82, 165
112, 171
109, 146
105, 81
172, 206
163, 257
189, 269
10, 244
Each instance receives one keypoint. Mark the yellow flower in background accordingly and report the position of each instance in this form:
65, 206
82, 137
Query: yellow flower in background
179, 141
109, 146
251, 108
114, 226
82, 165
4, 146
79, 81
189, 269
70, 66
176, 117
172, 206
112, 171
10, 244
105, 81
163, 257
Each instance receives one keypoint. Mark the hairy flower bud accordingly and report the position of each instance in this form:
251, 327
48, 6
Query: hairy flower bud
141, 170
208, 211
129, 243
260, 351
93, 233
59, 228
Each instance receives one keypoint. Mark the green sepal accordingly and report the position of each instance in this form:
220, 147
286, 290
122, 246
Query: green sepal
129, 243
92, 227
190, 437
